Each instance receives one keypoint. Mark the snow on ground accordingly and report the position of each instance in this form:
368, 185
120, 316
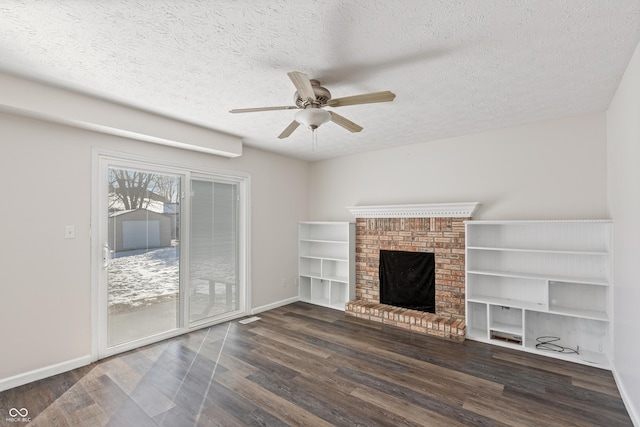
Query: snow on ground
141, 277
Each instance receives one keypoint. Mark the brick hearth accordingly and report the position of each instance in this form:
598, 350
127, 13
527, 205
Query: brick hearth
442, 236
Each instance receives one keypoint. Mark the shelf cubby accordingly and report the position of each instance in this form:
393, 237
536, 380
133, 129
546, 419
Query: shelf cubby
321, 291
338, 291
586, 336
510, 291
335, 270
578, 300
324, 231
310, 267
477, 323
587, 266
305, 289
505, 319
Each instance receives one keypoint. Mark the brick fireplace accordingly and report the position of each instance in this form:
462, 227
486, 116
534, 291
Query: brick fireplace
436, 228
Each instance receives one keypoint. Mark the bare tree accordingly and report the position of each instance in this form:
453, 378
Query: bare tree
130, 188
168, 188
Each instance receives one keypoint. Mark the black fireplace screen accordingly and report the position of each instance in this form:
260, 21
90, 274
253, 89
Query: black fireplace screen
407, 279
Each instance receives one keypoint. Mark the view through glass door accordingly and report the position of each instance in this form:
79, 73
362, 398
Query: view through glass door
170, 251
143, 259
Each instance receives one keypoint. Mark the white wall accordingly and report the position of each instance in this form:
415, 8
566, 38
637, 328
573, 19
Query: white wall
45, 280
623, 134
87, 112
549, 170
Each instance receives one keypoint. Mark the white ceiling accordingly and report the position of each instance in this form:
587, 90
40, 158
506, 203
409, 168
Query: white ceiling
457, 67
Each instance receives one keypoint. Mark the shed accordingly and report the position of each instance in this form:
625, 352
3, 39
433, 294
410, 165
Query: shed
139, 229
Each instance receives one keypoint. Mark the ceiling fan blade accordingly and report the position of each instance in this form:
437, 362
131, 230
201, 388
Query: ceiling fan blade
303, 85
252, 110
344, 122
367, 98
289, 130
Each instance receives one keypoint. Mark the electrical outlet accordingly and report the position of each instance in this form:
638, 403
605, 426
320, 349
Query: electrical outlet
284, 282
599, 348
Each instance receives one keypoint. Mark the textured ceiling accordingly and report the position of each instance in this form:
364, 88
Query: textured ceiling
457, 67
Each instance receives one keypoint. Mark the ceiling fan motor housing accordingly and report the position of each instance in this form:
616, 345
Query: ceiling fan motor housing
322, 96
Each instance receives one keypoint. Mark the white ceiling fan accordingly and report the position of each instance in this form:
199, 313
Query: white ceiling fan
311, 97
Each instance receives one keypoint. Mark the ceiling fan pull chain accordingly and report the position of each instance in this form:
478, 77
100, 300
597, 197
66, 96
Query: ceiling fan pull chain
314, 137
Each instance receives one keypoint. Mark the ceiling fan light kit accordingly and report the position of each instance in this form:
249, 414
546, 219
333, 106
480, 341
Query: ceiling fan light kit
312, 117
310, 97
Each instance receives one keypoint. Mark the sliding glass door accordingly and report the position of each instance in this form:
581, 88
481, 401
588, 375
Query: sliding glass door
142, 254
213, 255
172, 251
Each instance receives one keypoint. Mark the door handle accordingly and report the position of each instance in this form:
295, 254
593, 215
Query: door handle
106, 256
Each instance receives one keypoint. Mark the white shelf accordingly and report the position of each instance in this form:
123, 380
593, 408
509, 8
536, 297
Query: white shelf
328, 257
337, 279
476, 334
528, 279
548, 251
327, 263
542, 276
591, 357
346, 242
505, 327
578, 312
503, 343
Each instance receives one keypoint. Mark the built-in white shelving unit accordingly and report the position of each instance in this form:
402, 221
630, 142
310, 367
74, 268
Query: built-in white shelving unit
531, 279
327, 263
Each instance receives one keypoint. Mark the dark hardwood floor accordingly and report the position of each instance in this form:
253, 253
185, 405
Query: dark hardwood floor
306, 365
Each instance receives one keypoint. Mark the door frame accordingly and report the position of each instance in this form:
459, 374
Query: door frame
100, 160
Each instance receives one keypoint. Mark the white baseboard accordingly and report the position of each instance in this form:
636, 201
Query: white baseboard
273, 305
628, 403
47, 371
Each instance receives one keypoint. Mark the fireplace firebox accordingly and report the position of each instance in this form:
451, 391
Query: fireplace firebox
407, 279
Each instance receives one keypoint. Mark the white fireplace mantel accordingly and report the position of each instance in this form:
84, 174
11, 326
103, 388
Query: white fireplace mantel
430, 210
